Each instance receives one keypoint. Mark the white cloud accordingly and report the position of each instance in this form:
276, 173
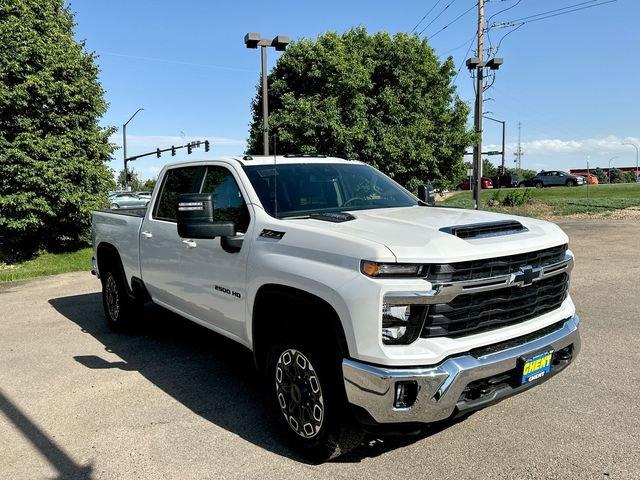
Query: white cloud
593, 146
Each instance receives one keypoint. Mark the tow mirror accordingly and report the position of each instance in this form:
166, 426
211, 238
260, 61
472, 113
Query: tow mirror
427, 194
195, 218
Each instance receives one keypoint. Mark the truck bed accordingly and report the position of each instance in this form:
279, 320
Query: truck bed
121, 229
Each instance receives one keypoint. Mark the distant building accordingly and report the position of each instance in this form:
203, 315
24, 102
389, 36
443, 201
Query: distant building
583, 171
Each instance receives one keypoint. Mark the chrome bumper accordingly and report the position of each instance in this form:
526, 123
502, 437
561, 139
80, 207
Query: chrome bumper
441, 387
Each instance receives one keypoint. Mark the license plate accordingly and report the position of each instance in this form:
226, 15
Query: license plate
536, 367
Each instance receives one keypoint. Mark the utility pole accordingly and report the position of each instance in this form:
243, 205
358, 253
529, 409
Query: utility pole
478, 65
477, 149
518, 153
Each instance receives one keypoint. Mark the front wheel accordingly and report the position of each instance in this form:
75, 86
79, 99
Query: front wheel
571, 183
538, 184
308, 402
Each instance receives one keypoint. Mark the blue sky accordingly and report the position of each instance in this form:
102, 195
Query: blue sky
571, 80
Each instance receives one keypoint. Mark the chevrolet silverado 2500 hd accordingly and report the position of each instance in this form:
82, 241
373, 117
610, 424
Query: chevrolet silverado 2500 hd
364, 307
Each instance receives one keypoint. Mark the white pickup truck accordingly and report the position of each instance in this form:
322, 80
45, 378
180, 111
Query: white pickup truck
365, 308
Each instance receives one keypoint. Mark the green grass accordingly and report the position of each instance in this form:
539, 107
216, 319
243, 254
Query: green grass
561, 200
47, 264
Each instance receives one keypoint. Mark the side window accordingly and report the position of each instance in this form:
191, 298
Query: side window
227, 199
176, 181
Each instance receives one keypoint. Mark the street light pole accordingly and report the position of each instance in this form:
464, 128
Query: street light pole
636, 147
280, 42
124, 148
504, 129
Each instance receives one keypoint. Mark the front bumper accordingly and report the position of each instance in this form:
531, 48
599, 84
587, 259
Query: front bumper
461, 383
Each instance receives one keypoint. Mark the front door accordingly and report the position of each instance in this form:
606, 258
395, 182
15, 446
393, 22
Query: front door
215, 272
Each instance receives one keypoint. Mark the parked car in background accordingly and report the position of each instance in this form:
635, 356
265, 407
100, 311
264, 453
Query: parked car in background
591, 179
146, 195
466, 185
556, 178
506, 181
525, 183
128, 200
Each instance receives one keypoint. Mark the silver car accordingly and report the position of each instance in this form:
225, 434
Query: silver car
127, 200
555, 178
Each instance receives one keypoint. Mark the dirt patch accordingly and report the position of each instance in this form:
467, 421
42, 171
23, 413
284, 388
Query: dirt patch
630, 213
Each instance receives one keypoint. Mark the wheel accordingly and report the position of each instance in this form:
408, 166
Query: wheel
521, 185
119, 309
114, 206
571, 183
538, 184
307, 400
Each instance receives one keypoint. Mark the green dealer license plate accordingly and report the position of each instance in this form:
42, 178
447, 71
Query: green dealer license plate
537, 367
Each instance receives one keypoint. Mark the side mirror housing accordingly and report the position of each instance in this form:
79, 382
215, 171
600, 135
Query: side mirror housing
195, 218
427, 194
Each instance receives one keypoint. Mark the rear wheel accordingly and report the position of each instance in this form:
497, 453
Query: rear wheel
119, 309
307, 400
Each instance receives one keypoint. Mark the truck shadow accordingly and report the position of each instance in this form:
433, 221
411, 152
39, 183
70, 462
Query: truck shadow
209, 374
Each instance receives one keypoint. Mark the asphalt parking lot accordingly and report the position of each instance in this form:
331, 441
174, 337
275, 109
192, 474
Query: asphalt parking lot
176, 401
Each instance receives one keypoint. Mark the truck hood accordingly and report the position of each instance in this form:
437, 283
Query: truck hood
415, 234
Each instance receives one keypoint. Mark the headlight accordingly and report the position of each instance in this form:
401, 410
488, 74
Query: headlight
375, 269
401, 324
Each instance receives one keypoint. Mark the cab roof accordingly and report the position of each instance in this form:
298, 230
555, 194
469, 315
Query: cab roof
268, 160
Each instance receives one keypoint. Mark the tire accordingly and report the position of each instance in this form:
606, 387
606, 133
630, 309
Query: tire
114, 206
521, 185
307, 400
571, 183
119, 309
538, 184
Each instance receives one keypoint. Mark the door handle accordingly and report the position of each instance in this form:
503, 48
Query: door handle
190, 243
147, 234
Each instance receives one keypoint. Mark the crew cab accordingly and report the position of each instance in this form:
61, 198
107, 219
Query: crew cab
365, 307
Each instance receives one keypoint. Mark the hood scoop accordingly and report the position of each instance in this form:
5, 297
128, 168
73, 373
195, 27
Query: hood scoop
484, 230
334, 217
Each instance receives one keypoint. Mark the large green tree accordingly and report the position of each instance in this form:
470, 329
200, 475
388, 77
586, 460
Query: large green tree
386, 100
53, 152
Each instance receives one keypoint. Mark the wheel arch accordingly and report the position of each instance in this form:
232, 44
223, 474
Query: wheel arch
107, 254
321, 313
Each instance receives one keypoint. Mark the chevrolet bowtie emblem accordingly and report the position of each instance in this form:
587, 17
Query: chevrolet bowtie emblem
526, 276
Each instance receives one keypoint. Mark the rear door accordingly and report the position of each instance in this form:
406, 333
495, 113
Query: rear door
215, 273
161, 248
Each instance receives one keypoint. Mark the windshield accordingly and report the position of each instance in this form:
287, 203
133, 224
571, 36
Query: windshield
303, 189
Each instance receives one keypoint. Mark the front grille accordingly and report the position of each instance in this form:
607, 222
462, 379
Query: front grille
478, 312
471, 270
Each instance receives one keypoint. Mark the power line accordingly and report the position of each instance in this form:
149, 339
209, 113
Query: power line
437, 16
549, 14
465, 56
459, 46
425, 16
506, 35
502, 11
454, 20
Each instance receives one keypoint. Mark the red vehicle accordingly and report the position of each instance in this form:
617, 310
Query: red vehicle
466, 185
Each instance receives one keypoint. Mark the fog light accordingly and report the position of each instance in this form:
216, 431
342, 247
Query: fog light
401, 324
406, 394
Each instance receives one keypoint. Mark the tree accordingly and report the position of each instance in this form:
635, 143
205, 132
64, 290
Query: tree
386, 100
523, 173
600, 175
488, 168
148, 185
134, 180
53, 152
630, 177
616, 176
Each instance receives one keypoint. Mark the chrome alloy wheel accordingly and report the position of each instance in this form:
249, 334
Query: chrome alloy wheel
112, 296
299, 393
